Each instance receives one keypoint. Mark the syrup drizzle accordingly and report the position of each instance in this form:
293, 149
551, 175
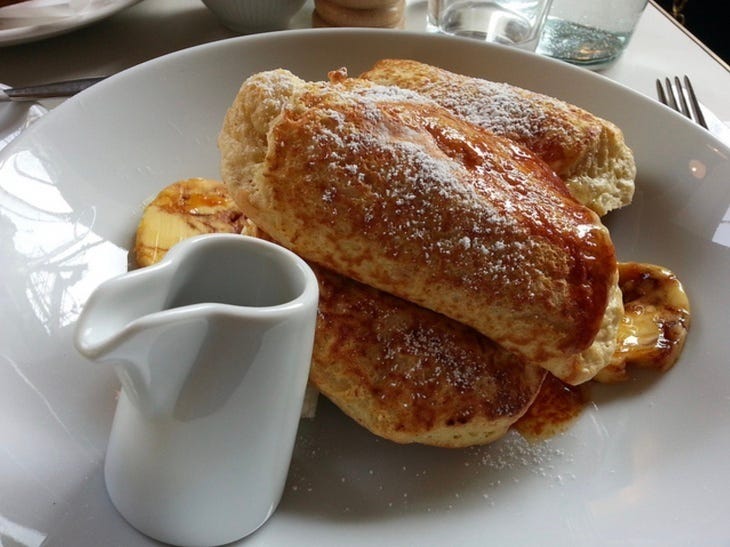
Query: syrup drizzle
555, 408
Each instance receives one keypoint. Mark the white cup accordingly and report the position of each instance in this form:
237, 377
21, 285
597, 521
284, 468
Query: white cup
510, 22
248, 16
213, 347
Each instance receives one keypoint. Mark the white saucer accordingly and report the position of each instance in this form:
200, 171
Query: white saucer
17, 31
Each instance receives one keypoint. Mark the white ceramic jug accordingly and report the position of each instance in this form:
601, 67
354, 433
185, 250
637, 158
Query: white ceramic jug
212, 346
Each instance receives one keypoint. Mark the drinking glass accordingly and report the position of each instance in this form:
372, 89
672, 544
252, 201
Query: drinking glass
590, 33
511, 22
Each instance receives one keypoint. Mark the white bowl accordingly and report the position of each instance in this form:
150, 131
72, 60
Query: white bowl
254, 15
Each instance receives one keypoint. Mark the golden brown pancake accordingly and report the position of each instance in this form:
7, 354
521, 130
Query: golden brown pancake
411, 375
589, 153
392, 190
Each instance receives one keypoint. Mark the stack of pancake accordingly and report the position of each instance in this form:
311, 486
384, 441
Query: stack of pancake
454, 227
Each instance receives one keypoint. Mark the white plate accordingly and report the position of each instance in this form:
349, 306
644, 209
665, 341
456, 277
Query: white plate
18, 31
15, 117
646, 464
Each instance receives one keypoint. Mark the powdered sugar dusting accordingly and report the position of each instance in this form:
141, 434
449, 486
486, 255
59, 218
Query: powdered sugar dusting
499, 107
405, 479
434, 356
420, 178
504, 113
381, 93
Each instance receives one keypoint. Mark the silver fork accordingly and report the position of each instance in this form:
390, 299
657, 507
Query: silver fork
678, 96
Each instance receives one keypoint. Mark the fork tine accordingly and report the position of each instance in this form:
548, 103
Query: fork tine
696, 110
675, 95
671, 101
680, 98
660, 92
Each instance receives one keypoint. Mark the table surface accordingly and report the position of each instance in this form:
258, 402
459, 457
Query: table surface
152, 28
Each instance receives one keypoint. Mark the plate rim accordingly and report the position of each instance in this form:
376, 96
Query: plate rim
32, 33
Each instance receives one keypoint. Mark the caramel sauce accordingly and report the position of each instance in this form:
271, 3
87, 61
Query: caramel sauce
555, 408
193, 202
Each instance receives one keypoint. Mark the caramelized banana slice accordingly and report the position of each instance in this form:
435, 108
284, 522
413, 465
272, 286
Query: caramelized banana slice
655, 324
181, 210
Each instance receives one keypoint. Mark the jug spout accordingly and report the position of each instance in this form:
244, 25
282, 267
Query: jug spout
181, 334
127, 323
173, 361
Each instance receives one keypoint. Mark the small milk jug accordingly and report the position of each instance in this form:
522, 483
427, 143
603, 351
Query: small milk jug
212, 346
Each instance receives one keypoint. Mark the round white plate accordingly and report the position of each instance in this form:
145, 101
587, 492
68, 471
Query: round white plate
646, 464
18, 31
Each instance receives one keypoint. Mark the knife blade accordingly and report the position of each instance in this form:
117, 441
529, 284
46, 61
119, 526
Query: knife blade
65, 88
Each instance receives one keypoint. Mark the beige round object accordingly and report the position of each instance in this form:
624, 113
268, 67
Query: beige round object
339, 16
318, 22
367, 4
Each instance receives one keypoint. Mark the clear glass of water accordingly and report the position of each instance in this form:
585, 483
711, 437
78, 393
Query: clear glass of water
590, 33
509, 22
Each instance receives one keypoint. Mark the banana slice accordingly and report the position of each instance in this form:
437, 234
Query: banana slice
181, 210
655, 324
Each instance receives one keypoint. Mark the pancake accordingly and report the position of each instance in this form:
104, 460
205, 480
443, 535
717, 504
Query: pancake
411, 375
388, 188
408, 374
588, 152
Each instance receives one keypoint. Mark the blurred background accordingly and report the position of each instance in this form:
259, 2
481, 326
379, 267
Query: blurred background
703, 18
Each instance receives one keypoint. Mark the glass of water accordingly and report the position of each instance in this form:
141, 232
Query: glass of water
510, 22
590, 33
